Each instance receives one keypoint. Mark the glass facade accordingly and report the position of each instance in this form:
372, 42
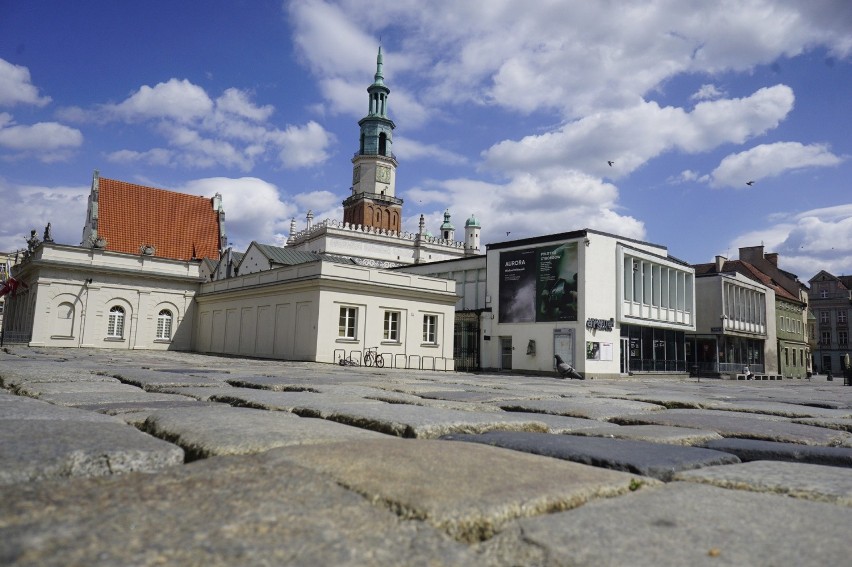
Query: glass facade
652, 349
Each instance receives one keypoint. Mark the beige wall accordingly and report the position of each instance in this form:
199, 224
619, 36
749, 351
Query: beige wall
293, 313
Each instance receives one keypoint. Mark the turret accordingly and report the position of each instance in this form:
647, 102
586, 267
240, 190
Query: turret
448, 232
471, 236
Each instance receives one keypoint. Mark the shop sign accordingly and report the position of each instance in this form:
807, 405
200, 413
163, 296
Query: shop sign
600, 324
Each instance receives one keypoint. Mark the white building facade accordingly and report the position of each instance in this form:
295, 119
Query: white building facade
325, 311
608, 305
92, 298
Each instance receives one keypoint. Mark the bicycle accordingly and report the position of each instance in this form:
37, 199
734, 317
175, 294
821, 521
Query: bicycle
372, 356
347, 362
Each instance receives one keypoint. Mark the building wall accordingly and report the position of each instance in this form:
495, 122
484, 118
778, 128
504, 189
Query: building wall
293, 313
601, 306
72, 290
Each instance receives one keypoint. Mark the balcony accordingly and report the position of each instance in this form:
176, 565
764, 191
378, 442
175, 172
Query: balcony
385, 199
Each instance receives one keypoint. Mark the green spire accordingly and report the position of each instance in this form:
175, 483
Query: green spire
379, 79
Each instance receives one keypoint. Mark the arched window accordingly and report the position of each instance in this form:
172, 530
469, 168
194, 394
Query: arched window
164, 325
383, 144
115, 326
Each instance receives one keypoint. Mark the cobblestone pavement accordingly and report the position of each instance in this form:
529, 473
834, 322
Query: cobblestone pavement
144, 458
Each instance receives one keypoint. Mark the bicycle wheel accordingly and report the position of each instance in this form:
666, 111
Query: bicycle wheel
380, 361
368, 359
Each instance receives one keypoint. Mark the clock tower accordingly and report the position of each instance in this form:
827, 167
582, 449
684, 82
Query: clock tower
373, 201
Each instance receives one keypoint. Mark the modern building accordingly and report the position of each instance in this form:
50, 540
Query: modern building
608, 305
735, 323
761, 323
831, 304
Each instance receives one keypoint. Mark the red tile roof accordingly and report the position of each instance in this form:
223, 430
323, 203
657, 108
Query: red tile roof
179, 226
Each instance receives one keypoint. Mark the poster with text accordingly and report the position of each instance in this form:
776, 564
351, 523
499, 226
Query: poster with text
539, 284
517, 302
556, 283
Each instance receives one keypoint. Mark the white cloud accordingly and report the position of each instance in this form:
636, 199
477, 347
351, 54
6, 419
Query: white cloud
16, 86
410, 150
636, 134
317, 201
31, 207
708, 92
302, 146
807, 242
550, 201
230, 132
155, 156
253, 207
573, 58
770, 160
178, 100
46, 141
235, 101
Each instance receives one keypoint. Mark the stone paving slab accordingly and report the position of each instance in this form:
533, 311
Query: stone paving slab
33, 450
223, 430
735, 424
469, 491
219, 512
16, 376
799, 480
758, 450
13, 407
155, 381
40, 389
581, 406
201, 394
653, 434
841, 424
135, 413
285, 401
658, 461
683, 524
417, 421
560, 424
91, 399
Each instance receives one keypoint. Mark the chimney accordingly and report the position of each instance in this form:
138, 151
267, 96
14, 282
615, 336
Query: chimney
772, 258
720, 263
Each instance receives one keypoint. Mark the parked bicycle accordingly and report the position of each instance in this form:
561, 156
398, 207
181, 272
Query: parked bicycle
372, 356
347, 361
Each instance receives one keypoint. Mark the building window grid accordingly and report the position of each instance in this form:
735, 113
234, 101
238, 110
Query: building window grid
823, 316
391, 331
164, 325
115, 323
347, 322
430, 325
842, 337
841, 316
826, 338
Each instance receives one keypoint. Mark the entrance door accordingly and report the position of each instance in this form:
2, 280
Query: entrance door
826, 363
506, 353
625, 355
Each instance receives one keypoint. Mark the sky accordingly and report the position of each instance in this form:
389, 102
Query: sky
728, 123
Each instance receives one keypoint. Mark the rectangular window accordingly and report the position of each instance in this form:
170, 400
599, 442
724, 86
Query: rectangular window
346, 325
826, 338
841, 316
392, 326
430, 326
842, 337
823, 316
786, 357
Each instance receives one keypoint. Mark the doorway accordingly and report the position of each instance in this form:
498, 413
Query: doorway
506, 353
625, 355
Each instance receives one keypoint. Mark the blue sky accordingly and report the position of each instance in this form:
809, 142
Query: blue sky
507, 110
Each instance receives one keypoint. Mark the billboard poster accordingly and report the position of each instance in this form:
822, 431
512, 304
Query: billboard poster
518, 286
539, 284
